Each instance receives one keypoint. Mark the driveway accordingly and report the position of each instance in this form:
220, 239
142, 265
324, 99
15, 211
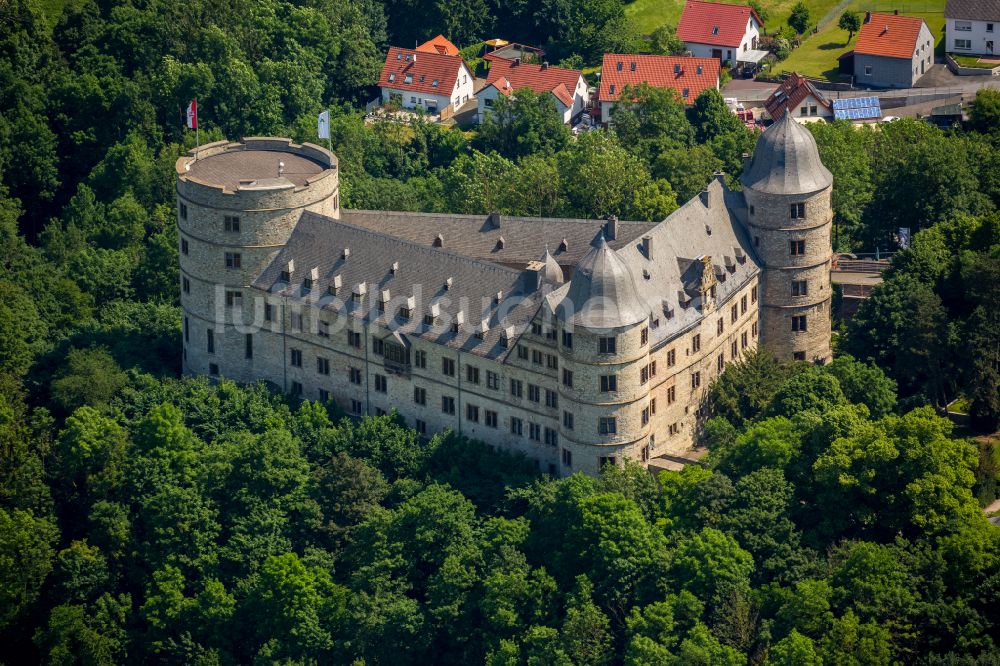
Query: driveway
939, 76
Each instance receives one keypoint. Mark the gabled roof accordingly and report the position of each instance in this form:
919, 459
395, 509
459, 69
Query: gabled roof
973, 10
511, 50
790, 93
714, 23
695, 75
889, 35
439, 44
419, 71
543, 78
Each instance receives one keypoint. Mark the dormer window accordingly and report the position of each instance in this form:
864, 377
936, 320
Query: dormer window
619, 65
422, 78
612, 90
686, 92
699, 69
392, 77
405, 313
307, 284
286, 276
632, 66
434, 83
677, 69
408, 78
715, 30
399, 56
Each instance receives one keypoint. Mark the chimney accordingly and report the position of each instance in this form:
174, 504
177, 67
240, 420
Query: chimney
647, 246
895, 12
439, 241
346, 253
611, 228
746, 161
532, 279
868, 17
545, 65
706, 198
394, 268
493, 220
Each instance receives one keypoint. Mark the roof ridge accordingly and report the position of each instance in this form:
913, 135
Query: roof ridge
477, 216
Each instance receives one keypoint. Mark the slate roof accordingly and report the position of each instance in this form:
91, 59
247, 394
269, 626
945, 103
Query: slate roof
421, 272
602, 293
714, 23
559, 81
513, 50
680, 73
668, 277
973, 10
889, 35
439, 44
790, 94
480, 236
786, 161
228, 169
424, 68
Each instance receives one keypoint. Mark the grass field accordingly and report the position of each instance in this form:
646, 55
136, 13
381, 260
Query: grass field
651, 14
53, 9
818, 55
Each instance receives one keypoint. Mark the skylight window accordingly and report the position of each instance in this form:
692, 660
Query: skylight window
715, 30
392, 77
686, 91
677, 69
422, 77
408, 79
632, 67
699, 69
612, 89
399, 56
619, 65
434, 83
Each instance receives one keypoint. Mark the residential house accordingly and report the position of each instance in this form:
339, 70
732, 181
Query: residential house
439, 44
433, 82
689, 77
971, 26
714, 30
801, 98
567, 86
892, 51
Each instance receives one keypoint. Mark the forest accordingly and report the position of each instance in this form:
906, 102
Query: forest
149, 518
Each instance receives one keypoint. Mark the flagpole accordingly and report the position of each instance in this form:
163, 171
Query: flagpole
329, 137
197, 130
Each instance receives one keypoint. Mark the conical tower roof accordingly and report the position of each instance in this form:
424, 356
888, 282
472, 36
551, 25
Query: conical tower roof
552, 272
602, 292
786, 161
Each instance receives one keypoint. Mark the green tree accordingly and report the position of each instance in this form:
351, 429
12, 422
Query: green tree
851, 22
664, 41
601, 177
26, 556
712, 566
793, 650
864, 384
984, 116
585, 632
526, 123
799, 18
811, 389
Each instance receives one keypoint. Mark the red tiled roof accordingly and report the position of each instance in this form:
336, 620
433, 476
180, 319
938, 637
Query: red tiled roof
424, 68
439, 44
889, 35
790, 93
676, 72
542, 79
714, 23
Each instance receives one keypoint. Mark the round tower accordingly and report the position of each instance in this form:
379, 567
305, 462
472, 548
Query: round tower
604, 345
237, 204
787, 191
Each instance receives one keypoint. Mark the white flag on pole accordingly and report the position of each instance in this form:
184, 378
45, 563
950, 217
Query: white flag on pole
323, 127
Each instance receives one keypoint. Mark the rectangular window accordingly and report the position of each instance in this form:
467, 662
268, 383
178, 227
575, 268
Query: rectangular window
268, 312
568, 420
567, 339
234, 298
734, 314
643, 336
184, 246
472, 413
720, 362
696, 343
534, 393
210, 343
753, 294
248, 345
420, 395
420, 426
743, 340
296, 358
354, 339
567, 455
800, 288
213, 369
355, 375
671, 395
492, 380
567, 378
234, 260
645, 415
534, 432
796, 247
356, 407
804, 111
734, 349
719, 327
516, 426
671, 358
644, 374
491, 418
673, 429
551, 437
963, 26
448, 367
695, 380
522, 352
184, 211
963, 44
743, 305
608, 345
420, 358
551, 399
536, 356
324, 329
868, 70
607, 425
799, 323
551, 362
609, 383
447, 404
231, 223
798, 211
516, 388
324, 395
296, 388
381, 383
322, 365
472, 374
799, 355
186, 285
536, 328
753, 330
187, 330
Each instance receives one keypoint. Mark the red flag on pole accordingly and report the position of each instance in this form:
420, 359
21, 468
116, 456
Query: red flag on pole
192, 114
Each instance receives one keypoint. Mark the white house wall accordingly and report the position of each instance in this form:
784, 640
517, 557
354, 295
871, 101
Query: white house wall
981, 34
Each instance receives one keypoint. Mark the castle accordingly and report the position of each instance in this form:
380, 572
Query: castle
577, 342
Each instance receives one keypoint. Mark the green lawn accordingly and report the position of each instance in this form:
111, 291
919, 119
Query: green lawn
817, 57
52, 9
971, 61
651, 14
